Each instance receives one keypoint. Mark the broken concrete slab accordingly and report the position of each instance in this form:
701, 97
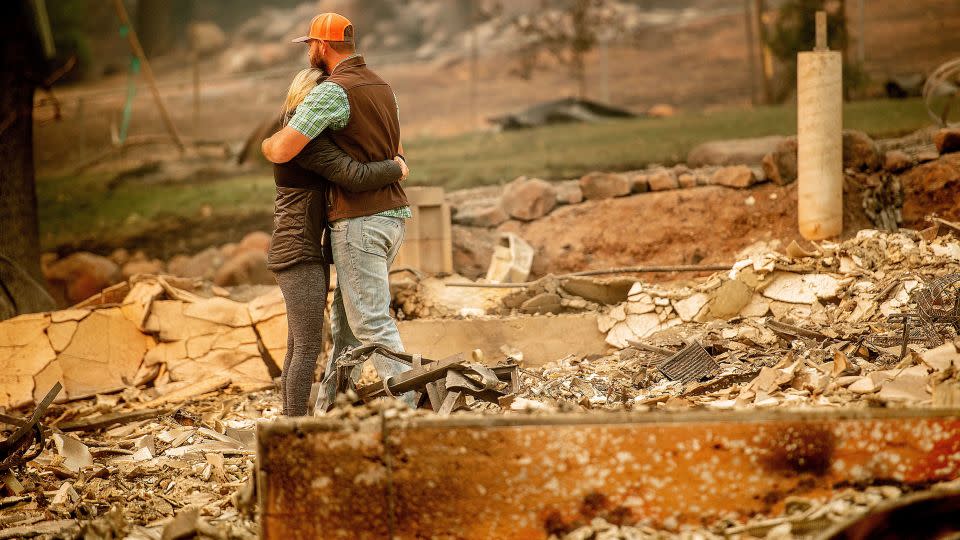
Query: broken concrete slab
607, 291
942, 357
802, 288
104, 355
541, 338
726, 301
689, 307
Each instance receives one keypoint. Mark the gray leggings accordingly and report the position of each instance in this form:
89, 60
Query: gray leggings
304, 287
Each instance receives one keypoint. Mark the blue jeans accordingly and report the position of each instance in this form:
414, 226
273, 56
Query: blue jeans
363, 250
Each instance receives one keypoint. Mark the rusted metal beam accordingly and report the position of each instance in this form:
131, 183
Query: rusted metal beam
528, 476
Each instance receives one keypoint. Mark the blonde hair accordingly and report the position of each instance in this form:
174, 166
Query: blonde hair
303, 82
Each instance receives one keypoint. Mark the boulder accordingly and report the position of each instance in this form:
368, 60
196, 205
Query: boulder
947, 140
569, 192
931, 188
81, 275
463, 197
202, 265
229, 250
733, 152
600, 185
687, 180
247, 267
472, 250
484, 213
206, 38
528, 199
133, 268
662, 180
256, 241
896, 161
120, 256
780, 166
735, 177
860, 152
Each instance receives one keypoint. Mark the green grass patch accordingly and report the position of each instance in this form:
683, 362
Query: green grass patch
557, 152
77, 207
73, 208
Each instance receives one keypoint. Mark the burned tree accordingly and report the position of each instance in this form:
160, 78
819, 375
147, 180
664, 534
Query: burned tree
567, 34
22, 56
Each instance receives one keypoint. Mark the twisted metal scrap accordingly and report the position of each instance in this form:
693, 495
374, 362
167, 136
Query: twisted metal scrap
938, 304
944, 76
27, 441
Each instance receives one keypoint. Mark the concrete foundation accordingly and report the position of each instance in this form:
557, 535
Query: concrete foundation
541, 339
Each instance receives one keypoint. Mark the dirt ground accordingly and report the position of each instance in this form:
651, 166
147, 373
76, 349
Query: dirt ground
706, 225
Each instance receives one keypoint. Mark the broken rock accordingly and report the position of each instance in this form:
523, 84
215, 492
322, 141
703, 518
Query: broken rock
569, 192
860, 152
739, 177
527, 199
663, 180
81, 275
481, 214
600, 185
780, 166
896, 161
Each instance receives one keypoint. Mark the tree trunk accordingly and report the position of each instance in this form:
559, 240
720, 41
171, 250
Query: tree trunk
23, 63
161, 24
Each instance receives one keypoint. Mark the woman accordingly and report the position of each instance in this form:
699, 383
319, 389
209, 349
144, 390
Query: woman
299, 252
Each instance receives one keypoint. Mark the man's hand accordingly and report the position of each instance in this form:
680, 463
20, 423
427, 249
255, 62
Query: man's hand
403, 168
284, 145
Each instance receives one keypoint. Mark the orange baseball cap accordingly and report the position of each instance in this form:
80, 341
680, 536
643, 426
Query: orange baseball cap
328, 27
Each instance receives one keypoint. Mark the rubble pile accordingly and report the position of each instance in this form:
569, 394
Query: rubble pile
119, 468
432, 297
803, 518
797, 328
164, 378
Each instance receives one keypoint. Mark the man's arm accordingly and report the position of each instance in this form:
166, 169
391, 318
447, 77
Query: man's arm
326, 106
325, 158
284, 145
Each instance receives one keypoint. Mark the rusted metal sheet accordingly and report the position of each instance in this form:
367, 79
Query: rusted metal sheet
529, 476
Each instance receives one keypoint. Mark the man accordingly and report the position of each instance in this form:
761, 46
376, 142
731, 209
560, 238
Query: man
360, 113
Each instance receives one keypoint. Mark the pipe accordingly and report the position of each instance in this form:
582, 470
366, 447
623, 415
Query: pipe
820, 139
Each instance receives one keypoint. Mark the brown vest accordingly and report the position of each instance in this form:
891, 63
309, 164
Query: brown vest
372, 134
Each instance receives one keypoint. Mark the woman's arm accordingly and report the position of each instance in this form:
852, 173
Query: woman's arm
325, 158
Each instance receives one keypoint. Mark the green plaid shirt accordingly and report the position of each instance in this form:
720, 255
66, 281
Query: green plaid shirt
327, 107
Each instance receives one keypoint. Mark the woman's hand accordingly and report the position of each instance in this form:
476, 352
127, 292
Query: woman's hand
403, 168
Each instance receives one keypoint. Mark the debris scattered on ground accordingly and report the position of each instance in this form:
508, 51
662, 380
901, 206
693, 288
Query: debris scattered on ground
168, 444
445, 386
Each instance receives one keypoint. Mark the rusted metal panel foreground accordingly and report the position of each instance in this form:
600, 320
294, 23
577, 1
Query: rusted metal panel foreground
523, 476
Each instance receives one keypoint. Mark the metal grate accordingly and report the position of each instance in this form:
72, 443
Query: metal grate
691, 364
